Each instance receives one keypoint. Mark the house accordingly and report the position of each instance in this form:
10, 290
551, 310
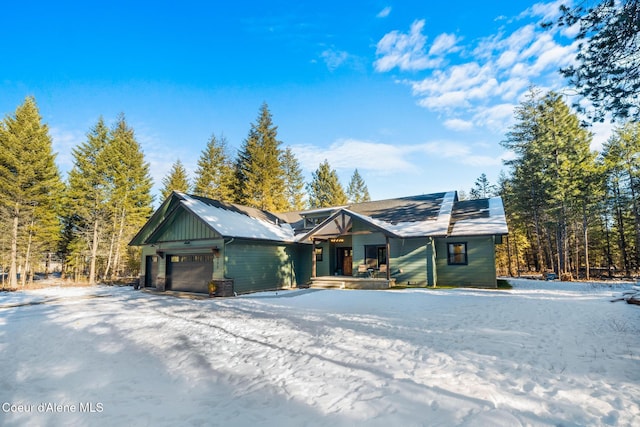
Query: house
425, 240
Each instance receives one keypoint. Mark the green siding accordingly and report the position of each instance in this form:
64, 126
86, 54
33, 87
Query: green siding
323, 268
480, 270
407, 258
303, 264
409, 261
184, 226
256, 266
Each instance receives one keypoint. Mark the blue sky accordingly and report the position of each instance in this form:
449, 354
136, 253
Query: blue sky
416, 95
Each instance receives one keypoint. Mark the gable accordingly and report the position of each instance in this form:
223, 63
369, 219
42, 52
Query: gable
182, 225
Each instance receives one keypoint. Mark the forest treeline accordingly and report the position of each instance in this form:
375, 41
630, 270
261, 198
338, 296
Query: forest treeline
570, 210
81, 225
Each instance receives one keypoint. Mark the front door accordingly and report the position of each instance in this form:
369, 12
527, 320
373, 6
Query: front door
345, 260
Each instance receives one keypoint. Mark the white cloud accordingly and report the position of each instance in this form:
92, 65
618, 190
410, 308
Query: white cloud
445, 101
490, 74
443, 44
459, 153
546, 11
334, 58
352, 153
458, 125
384, 12
407, 51
497, 117
601, 133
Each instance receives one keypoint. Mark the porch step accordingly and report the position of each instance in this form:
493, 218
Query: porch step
332, 282
327, 285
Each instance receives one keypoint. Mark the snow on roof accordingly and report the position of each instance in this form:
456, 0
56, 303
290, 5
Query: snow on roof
404, 229
230, 223
496, 223
427, 227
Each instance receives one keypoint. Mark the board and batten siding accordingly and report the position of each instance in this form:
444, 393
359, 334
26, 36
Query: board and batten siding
185, 227
480, 269
256, 266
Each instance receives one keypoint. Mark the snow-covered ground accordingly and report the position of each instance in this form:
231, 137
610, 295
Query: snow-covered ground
544, 353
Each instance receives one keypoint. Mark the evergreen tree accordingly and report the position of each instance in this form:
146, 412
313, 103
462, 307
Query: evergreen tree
259, 172
176, 180
87, 195
129, 193
215, 174
293, 181
549, 177
622, 171
324, 189
357, 191
607, 69
30, 186
482, 188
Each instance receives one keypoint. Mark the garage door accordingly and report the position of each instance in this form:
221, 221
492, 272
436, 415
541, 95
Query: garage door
189, 273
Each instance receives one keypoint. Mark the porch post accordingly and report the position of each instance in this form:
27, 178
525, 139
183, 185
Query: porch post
313, 259
388, 259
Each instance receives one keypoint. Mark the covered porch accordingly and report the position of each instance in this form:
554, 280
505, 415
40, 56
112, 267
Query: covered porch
350, 252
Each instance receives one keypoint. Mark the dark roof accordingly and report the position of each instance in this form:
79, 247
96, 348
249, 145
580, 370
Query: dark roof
469, 209
404, 209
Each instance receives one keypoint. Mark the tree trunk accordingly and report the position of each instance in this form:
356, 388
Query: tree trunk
636, 218
94, 253
623, 240
13, 276
509, 256
116, 259
585, 230
26, 270
107, 270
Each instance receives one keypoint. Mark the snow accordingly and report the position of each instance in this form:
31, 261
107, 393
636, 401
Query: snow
233, 224
428, 227
495, 224
544, 353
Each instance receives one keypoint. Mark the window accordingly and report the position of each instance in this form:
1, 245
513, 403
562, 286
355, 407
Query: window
457, 254
191, 258
319, 253
311, 222
375, 255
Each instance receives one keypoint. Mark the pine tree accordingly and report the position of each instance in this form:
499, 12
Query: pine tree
30, 186
176, 180
215, 174
87, 194
324, 189
293, 181
357, 191
482, 188
129, 193
607, 66
622, 172
259, 171
549, 178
